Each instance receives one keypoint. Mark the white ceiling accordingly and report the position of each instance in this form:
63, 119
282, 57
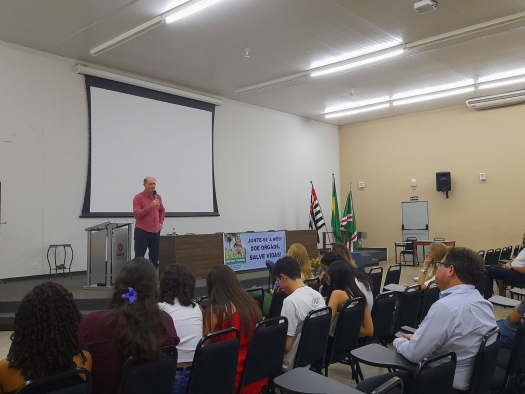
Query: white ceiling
205, 51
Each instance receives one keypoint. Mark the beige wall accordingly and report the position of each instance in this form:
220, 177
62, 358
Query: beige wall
386, 154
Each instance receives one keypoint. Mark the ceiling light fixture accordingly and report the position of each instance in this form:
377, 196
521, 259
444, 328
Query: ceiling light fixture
357, 111
361, 61
357, 104
433, 89
426, 97
502, 83
187, 9
502, 75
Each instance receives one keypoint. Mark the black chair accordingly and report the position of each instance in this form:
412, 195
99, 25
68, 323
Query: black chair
393, 274
346, 334
482, 254
270, 265
262, 359
392, 386
215, 364
314, 283
496, 257
143, 376
383, 317
408, 249
489, 257
204, 302
257, 293
76, 381
439, 239
505, 253
516, 251
507, 379
314, 336
485, 364
376, 274
435, 376
277, 303
407, 308
431, 295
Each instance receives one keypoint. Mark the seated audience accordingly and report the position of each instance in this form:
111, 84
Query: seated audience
176, 294
509, 325
343, 251
455, 323
345, 285
299, 253
231, 306
513, 271
326, 262
45, 339
437, 252
133, 326
300, 301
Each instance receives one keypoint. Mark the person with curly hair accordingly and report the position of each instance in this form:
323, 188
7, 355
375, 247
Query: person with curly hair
231, 306
176, 294
45, 340
133, 326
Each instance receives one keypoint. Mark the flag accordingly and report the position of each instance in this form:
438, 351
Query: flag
349, 224
316, 215
336, 224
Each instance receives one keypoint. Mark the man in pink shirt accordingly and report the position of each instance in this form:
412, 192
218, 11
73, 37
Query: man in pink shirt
149, 214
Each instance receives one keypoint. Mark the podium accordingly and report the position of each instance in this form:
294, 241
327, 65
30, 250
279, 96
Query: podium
108, 249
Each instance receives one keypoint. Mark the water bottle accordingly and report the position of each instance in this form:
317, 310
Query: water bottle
173, 232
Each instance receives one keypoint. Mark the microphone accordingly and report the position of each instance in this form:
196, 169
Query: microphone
154, 194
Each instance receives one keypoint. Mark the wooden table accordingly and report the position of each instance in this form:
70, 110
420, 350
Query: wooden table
423, 243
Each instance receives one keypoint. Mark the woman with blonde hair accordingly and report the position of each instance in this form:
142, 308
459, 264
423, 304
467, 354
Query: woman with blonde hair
342, 250
299, 253
437, 252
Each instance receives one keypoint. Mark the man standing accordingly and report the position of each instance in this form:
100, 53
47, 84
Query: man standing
149, 214
300, 301
455, 323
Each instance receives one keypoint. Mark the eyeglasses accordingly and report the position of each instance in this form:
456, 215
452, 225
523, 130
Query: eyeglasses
438, 263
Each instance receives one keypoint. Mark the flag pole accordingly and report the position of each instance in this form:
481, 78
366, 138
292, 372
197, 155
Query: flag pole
333, 233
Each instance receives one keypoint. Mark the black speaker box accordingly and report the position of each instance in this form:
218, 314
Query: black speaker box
443, 182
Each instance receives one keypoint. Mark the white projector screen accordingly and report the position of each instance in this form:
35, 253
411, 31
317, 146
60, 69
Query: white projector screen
137, 132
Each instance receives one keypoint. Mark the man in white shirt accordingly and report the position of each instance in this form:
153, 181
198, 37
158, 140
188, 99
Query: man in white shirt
513, 271
300, 301
455, 323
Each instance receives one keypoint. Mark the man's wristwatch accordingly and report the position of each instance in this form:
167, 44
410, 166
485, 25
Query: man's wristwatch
424, 271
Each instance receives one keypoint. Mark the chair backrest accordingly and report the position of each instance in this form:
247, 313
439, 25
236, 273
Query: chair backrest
435, 375
489, 256
410, 246
263, 360
257, 293
503, 255
277, 303
394, 385
204, 302
431, 296
517, 354
509, 253
376, 274
358, 259
522, 246
485, 363
516, 251
270, 265
481, 253
157, 376
346, 335
408, 307
393, 274
314, 336
439, 239
383, 316
314, 283
497, 256
215, 364
70, 382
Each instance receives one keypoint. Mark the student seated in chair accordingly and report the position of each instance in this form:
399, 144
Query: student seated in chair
513, 271
509, 325
45, 340
455, 323
300, 301
437, 252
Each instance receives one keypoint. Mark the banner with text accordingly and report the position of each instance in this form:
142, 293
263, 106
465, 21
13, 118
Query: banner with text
248, 251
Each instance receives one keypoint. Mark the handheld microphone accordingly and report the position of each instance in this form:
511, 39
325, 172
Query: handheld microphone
154, 194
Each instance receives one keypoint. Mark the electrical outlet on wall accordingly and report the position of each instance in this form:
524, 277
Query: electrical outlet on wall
35, 265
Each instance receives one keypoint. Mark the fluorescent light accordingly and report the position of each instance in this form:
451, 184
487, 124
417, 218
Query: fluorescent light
506, 74
137, 31
501, 83
358, 63
357, 111
433, 96
341, 107
433, 89
187, 9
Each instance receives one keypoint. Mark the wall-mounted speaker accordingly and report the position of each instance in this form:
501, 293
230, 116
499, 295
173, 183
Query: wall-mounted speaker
443, 182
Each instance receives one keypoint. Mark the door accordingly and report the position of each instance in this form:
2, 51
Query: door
414, 223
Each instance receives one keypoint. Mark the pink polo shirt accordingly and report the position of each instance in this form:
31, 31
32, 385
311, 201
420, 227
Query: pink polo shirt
148, 218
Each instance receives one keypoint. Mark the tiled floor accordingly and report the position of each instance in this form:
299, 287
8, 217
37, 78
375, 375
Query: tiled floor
339, 372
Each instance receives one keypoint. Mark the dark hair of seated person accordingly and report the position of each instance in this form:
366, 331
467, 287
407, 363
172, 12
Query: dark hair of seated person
45, 336
177, 282
138, 328
342, 278
287, 266
330, 257
468, 265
